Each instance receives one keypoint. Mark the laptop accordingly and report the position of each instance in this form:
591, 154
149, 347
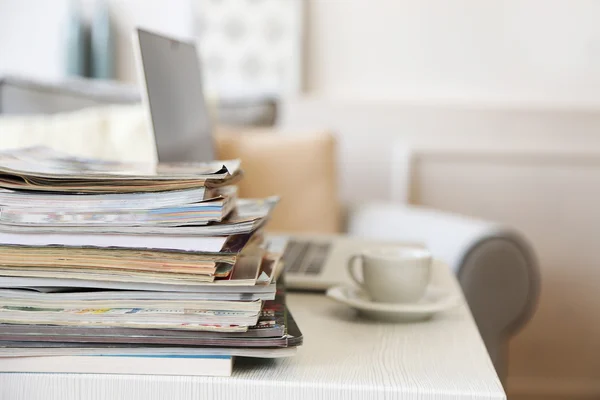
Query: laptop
172, 91
171, 80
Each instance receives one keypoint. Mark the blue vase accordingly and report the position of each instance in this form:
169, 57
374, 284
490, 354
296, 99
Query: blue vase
101, 40
76, 42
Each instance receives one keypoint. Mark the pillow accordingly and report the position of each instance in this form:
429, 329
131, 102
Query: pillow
301, 169
116, 133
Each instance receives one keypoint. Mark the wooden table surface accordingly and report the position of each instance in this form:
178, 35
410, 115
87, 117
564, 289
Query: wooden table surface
343, 357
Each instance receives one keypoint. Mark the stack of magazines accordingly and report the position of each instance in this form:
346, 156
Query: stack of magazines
161, 267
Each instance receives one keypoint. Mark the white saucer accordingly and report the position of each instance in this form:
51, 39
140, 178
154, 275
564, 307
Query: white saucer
435, 300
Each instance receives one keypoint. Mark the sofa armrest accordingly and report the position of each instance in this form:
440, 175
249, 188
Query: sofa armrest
494, 264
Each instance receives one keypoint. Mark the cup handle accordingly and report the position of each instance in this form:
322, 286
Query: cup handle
352, 270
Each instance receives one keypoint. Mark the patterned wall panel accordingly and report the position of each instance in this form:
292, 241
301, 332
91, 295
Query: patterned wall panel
250, 47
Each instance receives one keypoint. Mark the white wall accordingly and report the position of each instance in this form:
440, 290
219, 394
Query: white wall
31, 34
519, 51
497, 50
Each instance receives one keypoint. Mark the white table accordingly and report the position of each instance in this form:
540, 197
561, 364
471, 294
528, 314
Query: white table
343, 357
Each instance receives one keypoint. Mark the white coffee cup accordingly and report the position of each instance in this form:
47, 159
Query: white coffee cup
393, 275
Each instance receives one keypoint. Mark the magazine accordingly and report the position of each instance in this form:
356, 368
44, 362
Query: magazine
247, 216
43, 169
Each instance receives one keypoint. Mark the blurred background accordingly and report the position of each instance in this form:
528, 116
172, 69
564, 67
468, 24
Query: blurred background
488, 109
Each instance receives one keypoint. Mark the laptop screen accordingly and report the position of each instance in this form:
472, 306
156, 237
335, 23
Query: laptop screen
173, 95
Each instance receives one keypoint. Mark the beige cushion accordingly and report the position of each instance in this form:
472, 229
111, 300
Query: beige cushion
301, 169
118, 133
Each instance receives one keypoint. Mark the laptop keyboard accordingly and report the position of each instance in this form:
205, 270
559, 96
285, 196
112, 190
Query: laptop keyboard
303, 257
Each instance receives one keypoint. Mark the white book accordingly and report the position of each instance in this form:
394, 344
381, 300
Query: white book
208, 244
109, 201
55, 294
255, 352
20, 282
131, 364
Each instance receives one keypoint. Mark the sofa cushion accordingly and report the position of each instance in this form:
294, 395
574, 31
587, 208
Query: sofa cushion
118, 133
300, 168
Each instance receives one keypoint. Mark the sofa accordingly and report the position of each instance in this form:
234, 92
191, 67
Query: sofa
495, 265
